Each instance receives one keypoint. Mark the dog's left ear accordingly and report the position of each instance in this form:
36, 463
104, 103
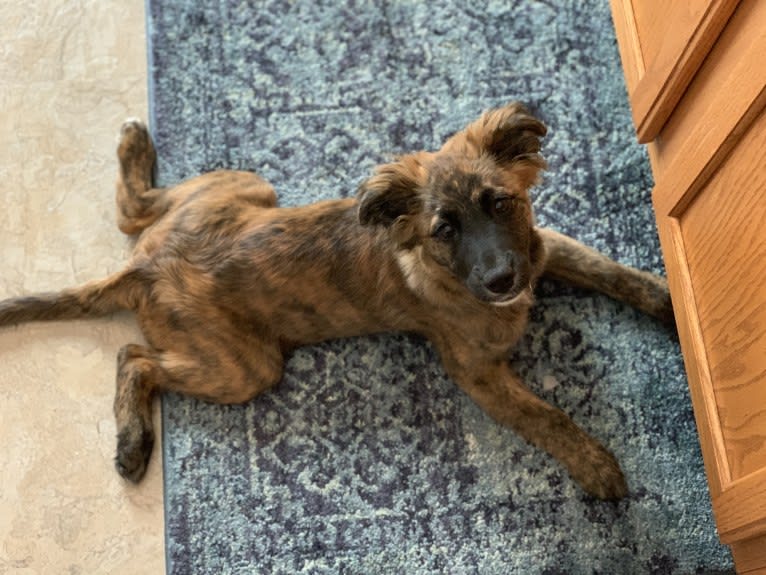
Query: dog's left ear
393, 190
510, 135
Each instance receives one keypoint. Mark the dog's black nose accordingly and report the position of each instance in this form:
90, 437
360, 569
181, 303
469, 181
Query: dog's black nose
500, 283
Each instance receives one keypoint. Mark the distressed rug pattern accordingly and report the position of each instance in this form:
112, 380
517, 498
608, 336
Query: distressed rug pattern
366, 459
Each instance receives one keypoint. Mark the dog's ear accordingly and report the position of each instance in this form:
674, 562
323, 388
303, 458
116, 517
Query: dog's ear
393, 190
510, 135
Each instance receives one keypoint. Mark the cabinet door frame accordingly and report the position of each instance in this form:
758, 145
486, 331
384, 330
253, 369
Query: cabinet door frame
656, 87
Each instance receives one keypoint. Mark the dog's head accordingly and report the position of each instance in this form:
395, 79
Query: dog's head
461, 217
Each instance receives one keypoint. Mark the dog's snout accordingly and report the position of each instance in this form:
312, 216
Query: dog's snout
500, 283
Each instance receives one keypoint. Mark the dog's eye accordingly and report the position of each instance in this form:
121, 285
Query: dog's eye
502, 205
444, 232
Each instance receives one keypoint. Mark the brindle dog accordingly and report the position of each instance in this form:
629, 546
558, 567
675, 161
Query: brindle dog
224, 283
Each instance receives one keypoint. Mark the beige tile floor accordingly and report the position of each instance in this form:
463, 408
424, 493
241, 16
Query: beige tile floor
70, 72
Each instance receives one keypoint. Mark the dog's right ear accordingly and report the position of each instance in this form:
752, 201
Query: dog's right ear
393, 191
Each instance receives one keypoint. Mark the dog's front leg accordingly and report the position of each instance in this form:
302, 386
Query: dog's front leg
500, 392
571, 261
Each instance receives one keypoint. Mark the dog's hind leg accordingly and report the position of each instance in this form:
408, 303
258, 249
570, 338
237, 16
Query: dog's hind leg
573, 262
138, 376
225, 372
138, 203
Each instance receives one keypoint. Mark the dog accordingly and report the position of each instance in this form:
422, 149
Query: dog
225, 284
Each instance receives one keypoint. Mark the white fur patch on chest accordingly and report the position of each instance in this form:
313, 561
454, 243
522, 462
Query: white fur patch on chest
412, 269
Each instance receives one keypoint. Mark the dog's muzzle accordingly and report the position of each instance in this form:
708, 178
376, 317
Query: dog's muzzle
501, 286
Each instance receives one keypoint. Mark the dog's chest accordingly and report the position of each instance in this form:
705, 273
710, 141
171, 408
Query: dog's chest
493, 333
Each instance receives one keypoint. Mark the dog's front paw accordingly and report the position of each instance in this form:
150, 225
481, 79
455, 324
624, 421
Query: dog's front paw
134, 448
600, 475
657, 300
665, 311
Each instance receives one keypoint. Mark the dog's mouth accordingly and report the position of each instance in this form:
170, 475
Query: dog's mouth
506, 289
511, 297
502, 284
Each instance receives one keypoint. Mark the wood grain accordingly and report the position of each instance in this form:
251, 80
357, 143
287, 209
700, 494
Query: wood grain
628, 42
740, 510
654, 26
725, 237
695, 355
747, 555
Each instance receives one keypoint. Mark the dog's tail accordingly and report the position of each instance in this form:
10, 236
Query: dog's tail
121, 291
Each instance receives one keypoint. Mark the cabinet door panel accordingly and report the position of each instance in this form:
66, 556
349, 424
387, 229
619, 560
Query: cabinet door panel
714, 244
724, 234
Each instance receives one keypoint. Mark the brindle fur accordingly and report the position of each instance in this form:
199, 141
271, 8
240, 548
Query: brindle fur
224, 283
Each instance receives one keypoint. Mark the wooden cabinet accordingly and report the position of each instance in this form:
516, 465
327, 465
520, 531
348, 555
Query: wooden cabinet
700, 105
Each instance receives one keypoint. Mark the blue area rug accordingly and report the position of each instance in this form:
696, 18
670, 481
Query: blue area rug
366, 459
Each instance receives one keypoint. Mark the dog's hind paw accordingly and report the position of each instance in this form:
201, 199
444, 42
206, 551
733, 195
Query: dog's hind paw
133, 453
133, 123
133, 131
